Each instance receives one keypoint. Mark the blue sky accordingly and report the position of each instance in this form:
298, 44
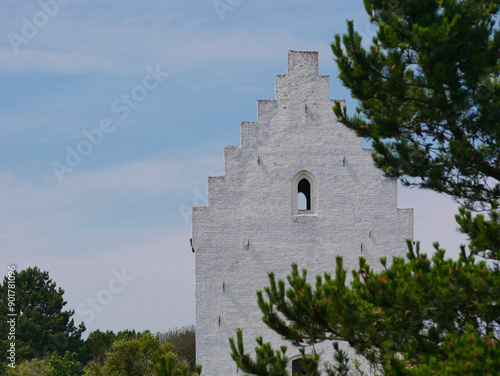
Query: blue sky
113, 227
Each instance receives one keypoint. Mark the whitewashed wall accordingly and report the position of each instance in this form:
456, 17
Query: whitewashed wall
249, 227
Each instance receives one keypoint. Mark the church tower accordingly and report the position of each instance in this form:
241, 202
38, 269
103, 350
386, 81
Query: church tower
299, 189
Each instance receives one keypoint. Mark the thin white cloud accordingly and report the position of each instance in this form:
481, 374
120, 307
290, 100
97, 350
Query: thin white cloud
90, 208
182, 37
149, 268
50, 62
58, 227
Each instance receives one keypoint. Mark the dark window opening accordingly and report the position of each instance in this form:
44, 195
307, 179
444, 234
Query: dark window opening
297, 368
304, 188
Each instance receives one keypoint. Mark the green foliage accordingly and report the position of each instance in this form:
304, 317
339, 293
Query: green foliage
128, 334
467, 354
268, 362
94, 369
139, 353
42, 327
357, 370
125, 353
65, 366
134, 357
342, 362
417, 313
33, 367
166, 365
51, 365
170, 365
429, 88
184, 341
98, 343
429, 94
484, 233
46, 332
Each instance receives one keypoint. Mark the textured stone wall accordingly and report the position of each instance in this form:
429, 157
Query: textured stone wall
249, 226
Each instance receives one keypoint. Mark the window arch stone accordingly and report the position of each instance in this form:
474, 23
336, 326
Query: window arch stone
294, 366
304, 183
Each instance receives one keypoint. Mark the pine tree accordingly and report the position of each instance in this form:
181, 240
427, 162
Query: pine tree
42, 326
429, 100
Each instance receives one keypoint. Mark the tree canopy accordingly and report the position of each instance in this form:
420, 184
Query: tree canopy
126, 353
429, 100
42, 326
429, 93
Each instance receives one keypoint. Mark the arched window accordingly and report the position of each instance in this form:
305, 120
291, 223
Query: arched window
303, 194
294, 366
297, 368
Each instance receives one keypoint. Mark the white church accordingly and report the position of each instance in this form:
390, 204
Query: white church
299, 189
